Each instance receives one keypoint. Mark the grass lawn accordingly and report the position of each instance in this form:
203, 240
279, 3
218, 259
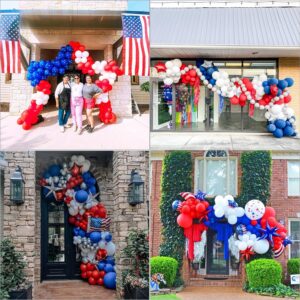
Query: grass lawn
165, 297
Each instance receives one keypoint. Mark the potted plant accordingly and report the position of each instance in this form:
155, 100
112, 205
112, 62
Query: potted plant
136, 279
12, 276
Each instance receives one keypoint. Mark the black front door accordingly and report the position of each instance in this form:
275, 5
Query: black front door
59, 258
216, 264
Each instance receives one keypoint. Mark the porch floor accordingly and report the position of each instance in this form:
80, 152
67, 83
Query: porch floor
224, 293
71, 289
130, 133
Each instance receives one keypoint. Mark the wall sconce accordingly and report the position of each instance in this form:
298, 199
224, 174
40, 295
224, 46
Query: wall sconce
136, 189
17, 183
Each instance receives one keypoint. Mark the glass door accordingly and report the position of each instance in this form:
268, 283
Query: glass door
60, 258
216, 264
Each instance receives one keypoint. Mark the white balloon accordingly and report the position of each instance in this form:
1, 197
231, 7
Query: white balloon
232, 219
219, 212
215, 75
254, 209
86, 166
261, 246
78, 53
239, 211
169, 64
168, 81
177, 62
110, 248
85, 54
242, 246
78, 60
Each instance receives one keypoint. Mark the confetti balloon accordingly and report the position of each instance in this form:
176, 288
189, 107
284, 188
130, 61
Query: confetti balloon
254, 209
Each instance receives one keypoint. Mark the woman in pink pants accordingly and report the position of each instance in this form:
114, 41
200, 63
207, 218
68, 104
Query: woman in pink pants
77, 104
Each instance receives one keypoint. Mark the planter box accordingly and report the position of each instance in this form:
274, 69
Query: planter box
136, 293
21, 294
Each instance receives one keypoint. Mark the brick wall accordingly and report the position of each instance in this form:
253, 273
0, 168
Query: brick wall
290, 67
127, 217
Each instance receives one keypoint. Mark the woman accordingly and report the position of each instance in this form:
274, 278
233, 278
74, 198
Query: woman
90, 92
63, 97
77, 104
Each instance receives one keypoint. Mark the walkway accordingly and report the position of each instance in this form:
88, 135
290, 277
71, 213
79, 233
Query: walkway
126, 134
224, 141
73, 290
219, 293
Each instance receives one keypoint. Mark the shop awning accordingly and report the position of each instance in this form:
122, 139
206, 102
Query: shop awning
225, 32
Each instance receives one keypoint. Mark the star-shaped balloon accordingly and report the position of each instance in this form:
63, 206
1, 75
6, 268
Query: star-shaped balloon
200, 195
93, 197
268, 233
246, 254
207, 64
287, 241
52, 189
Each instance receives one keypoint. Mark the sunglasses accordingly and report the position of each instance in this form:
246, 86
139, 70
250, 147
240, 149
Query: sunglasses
76, 77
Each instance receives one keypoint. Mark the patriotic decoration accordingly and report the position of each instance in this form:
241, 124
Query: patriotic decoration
136, 45
243, 232
271, 94
73, 184
10, 50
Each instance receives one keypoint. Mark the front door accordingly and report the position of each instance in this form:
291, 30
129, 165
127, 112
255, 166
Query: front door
59, 257
216, 264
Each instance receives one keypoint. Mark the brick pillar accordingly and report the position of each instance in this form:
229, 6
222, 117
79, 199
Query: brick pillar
19, 220
127, 217
185, 270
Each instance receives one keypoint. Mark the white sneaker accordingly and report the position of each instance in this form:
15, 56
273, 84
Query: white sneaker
62, 128
74, 128
67, 126
79, 131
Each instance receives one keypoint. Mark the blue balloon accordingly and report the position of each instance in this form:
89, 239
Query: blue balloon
110, 280
40, 71
108, 237
265, 83
61, 70
278, 133
271, 127
288, 131
282, 84
279, 92
95, 237
81, 196
290, 81
92, 189
245, 220
54, 71
46, 73
175, 204
76, 231
280, 123
81, 233
101, 266
210, 71
212, 81
267, 89
86, 175
272, 81
42, 63
108, 268
92, 181
54, 170
110, 260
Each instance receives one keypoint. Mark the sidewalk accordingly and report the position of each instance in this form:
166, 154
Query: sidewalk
126, 134
223, 141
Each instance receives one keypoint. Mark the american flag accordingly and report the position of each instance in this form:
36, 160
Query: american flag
10, 42
136, 45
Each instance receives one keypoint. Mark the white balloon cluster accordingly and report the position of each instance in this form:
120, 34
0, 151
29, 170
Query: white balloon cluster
81, 161
172, 74
99, 68
75, 208
40, 98
280, 111
257, 85
226, 206
81, 56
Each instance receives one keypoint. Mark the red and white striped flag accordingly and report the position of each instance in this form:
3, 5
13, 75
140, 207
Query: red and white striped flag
136, 45
10, 50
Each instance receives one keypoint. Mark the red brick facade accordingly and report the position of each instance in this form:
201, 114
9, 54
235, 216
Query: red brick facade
286, 207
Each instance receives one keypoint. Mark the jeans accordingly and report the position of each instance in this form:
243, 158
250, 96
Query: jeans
63, 116
76, 109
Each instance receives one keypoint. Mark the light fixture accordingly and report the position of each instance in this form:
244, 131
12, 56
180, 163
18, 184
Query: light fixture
17, 183
136, 189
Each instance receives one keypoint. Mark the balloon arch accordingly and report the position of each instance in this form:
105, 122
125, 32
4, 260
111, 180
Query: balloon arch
243, 231
74, 52
262, 93
73, 184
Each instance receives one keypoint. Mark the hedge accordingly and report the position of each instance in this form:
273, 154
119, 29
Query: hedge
166, 266
176, 178
293, 266
263, 273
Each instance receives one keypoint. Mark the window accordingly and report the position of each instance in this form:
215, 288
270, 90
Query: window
293, 178
294, 230
216, 173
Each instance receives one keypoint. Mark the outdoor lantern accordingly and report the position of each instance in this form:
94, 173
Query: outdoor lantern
136, 188
17, 186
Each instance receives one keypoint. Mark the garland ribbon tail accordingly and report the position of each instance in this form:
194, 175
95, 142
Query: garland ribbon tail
251, 110
197, 91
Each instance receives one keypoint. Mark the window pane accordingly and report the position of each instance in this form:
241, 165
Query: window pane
295, 230
294, 169
294, 187
293, 178
233, 177
295, 250
56, 243
200, 177
216, 177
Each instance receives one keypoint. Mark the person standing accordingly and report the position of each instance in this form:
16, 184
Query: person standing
77, 104
90, 92
63, 98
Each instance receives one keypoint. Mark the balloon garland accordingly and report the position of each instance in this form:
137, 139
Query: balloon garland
39, 71
244, 231
73, 184
271, 94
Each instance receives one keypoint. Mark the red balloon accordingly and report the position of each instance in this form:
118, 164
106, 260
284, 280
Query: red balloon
89, 274
272, 221
26, 126
96, 274
102, 274
200, 207
184, 221
274, 90
84, 275
83, 268
100, 281
253, 222
243, 97
160, 67
92, 281
287, 99
193, 73
185, 209
75, 170
20, 121
81, 48
269, 212
90, 267
234, 100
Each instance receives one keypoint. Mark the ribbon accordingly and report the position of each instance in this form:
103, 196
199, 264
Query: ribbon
197, 91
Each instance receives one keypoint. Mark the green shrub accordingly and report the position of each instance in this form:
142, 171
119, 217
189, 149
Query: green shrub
263, 273
279, 290
166, 266
293, 266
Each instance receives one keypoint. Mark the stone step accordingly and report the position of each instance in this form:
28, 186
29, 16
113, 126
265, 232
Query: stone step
215, 280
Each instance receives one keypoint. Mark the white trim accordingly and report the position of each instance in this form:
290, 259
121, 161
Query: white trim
288, 177
252, 47
289, 233
287, 156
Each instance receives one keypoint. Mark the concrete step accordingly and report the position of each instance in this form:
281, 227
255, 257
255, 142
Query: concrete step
216, 280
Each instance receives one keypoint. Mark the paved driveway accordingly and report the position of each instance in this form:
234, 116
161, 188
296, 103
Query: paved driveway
219, 293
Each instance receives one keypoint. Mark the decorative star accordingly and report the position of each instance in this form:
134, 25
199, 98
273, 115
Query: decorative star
287, 241
207, 64
52, 189
268, 233
246, 254
93, 197
232, 203
200, 195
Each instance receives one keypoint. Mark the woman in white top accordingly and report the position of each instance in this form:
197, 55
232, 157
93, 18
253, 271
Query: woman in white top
77, 104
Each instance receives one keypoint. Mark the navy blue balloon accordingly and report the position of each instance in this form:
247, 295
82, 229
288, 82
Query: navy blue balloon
288, 131
81, 196
245, 220
108, 237
108, 268
92, 181
110, 280
40, 71
54, 170
81, 233
280, 123
76, 231
210, 71
278, 133
54, 70
61, 70
175, 204
95, 237
290, 81
101, 266
272, 81
267, 89
212, 81
110, 260
92, 189
279, 92
47, 73
282, 84
271, 127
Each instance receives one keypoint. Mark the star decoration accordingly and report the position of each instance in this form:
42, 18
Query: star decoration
268, 233
286, 242
246, 254
52, 189
232, 203
93, 197
207, 64
200, 195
